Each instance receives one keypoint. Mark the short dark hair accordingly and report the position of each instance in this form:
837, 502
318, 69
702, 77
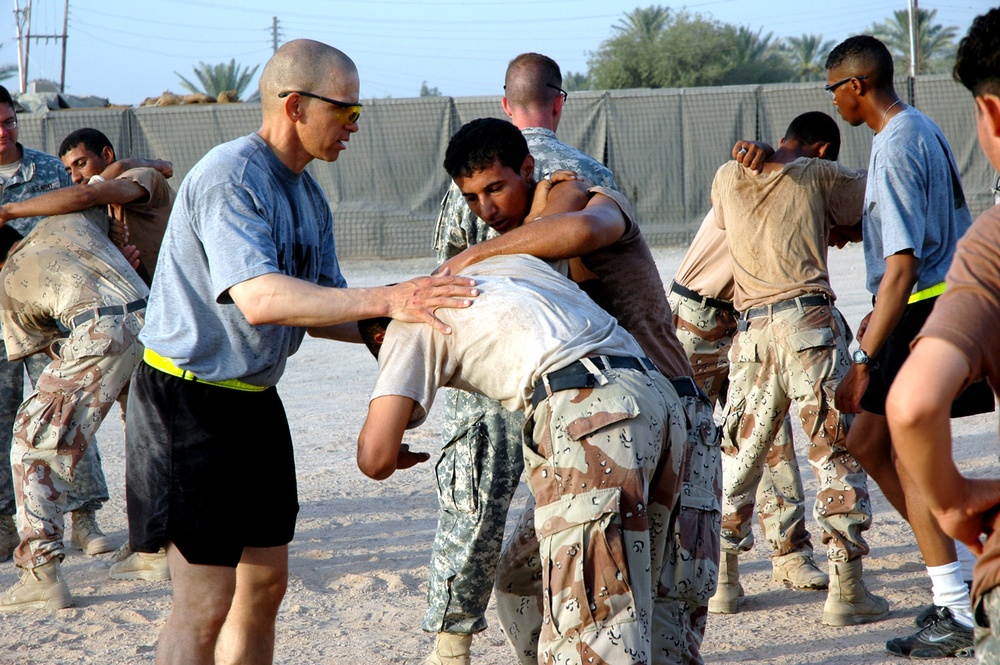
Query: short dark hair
91, 139
816, 127
480, 143
5, 97
8, 237
977, 63
867, 55
373, 332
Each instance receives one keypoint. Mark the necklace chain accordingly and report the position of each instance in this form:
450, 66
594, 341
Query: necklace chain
887, 113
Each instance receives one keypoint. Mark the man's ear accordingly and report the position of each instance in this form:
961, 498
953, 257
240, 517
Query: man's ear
528, 169
108, 154
506, 107
822, 148
988, 109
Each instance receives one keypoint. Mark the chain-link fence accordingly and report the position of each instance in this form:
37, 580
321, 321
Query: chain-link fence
663, 146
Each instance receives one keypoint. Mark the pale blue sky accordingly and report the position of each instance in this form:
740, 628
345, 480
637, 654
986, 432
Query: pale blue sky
127, 50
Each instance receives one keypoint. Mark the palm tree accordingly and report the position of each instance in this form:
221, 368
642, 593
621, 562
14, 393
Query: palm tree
6, 71
807, 56
935, 43
755, 58
644, 23
220, 78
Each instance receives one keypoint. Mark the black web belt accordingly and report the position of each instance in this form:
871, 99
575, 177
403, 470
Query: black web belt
108, 310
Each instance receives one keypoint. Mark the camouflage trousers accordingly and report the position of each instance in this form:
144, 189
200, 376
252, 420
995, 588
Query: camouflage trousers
581, 576
55, 424
477, 475
796, 354
987, 627
706, 332
89, 490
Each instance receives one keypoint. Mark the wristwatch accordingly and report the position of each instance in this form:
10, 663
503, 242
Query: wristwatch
860, 357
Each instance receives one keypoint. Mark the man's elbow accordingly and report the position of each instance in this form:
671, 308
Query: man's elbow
371, 463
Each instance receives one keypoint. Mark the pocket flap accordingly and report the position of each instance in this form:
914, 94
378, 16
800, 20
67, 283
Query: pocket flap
811, 339
585, 425
691, 497
575, 510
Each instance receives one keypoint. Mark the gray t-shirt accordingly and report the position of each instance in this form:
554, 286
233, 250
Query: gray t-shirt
240, 213
914, 199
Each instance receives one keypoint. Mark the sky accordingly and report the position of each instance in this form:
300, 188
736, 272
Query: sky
127, 50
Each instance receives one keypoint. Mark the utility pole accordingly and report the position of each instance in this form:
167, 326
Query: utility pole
274, 33
914, 29
24, 37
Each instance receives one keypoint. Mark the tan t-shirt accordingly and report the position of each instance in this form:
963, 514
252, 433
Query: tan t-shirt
777, 225
64, 267
147, 220
527, 321
968, 316
707, 267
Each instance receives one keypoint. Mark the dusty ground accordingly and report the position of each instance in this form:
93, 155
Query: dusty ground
359, 558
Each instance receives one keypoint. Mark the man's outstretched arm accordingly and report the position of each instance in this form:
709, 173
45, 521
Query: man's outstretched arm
919, 414
553, 237
380, 448
73, 199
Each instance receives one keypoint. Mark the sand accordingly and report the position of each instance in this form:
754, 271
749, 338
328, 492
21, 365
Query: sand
359, 559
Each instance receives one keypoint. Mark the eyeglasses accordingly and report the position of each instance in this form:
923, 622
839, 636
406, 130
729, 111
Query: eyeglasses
353, 108
565, 95
9, 125
833, 86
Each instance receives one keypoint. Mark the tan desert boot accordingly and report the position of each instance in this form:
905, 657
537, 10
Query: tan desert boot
39, 588
849, 602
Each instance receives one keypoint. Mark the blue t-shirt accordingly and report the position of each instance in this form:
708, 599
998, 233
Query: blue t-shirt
914, 199
240, 213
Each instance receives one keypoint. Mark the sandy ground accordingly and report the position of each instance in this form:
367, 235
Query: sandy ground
359, 558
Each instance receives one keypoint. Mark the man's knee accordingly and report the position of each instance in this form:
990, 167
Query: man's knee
868, 440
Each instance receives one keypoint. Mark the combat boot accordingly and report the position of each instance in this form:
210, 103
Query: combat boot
87, 535
8, 537
39, 588
849, 602
729, 592
798, 571
451, 649
131, 565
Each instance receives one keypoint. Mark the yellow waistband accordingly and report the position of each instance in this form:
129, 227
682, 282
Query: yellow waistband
166, 365
929, 292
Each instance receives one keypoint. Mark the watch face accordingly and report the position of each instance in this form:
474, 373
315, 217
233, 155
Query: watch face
860, 357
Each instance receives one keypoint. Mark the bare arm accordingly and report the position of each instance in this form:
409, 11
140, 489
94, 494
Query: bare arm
115, 169
918, 412
279, 299
893, 293
553, 237
380, 448
72, 199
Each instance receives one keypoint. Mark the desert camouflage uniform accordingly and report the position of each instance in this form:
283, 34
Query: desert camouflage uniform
987, 627
801, 354
687, 579
66, 267
604, 468
39, 173
481, 462
706, 333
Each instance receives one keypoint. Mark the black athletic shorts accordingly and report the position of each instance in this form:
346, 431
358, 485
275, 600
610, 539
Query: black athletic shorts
977, 398
208, 469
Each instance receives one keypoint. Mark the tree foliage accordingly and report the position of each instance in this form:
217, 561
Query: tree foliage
425, 91
576, 81
659, 47
806, 56
219, 78
935, 42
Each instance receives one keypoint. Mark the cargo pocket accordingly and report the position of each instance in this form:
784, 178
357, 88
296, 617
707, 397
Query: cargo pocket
584, 566
691, 571
458, 471
811, 339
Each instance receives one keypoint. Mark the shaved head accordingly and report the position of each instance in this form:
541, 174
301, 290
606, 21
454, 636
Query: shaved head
303, 64
528, 81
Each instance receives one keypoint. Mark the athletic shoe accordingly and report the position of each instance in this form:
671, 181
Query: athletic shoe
942, 638
926, 615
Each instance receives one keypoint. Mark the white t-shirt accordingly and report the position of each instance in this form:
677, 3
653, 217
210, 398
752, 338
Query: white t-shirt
527, 321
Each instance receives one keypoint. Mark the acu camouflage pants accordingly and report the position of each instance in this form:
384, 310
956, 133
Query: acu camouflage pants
987, 627
796, 354
604, 467
706, 333
477, 475
55, 424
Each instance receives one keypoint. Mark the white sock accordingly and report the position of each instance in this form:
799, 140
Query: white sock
966, 558
950, 591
